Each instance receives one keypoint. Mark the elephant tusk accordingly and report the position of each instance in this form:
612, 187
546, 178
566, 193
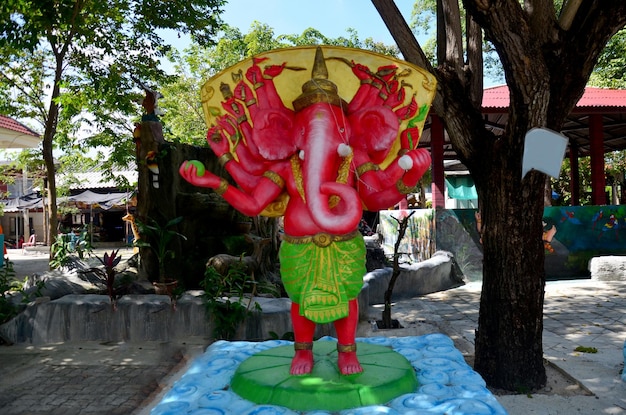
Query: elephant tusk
301, 154
405, 162
344, 150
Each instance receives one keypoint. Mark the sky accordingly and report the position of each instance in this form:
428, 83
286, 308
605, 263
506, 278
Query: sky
286, 17
330, 17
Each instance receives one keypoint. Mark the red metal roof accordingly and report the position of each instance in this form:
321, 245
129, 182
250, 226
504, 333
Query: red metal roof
11, 124
498, 97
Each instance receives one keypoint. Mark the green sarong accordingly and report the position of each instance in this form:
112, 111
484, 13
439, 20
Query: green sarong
323, 279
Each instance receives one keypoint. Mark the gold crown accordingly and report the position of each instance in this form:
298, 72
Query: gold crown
319, 88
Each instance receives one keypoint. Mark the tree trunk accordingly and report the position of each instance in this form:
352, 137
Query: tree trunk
547, 63
48, 157
508, 342
509, 352
52, 197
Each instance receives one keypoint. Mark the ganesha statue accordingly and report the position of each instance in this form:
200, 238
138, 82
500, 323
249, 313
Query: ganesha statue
280, 125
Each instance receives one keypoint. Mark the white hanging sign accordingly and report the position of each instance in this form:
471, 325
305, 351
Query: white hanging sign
544, 150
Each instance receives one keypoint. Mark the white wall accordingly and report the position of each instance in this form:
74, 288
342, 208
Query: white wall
8, 224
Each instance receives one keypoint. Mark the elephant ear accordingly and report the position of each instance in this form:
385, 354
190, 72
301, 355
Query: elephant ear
374, 130
273, 131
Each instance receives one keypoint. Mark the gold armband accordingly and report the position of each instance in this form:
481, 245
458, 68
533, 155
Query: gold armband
258, 85
225, 158
403, 188
251, 102
274, 177
241, 119
365, 167
403, 151
303, 345
221, 189
346, 348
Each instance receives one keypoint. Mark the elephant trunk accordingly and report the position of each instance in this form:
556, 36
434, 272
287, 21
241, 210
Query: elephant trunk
334, 207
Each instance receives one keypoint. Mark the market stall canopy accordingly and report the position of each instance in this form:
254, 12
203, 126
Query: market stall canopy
105, 200
30, 201
16, 135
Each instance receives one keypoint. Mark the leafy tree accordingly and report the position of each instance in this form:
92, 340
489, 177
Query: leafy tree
610, 71
547, 58
74, 64
424, 21
183, 116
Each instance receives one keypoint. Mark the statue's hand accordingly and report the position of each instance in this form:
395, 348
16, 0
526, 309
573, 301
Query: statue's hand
244, 93
415, 163
217, 140
361, 71
273, 70
254, 74
195, 173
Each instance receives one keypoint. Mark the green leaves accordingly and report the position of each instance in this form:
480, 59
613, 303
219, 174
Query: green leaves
610, 71
158, 239
71, 65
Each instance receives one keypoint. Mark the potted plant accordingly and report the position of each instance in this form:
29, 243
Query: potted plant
243, 223
158, 239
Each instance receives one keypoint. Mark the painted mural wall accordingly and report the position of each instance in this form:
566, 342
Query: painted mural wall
572, 236
417, 244
575, 234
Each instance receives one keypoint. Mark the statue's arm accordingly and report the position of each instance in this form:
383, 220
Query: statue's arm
251, 202
381, 189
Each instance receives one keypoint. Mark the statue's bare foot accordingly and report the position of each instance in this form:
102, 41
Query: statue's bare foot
347, 361
302, 362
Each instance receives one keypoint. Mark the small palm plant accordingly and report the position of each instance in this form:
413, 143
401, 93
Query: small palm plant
106, 276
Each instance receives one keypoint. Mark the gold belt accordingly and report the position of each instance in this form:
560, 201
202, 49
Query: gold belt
320, 239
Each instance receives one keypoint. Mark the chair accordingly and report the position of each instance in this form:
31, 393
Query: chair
32, 241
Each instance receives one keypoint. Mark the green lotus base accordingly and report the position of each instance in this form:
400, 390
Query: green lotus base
264, 379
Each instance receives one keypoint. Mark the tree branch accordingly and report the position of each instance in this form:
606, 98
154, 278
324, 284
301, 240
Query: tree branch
452, 28
475, 62
542, 20
520, 52
457, 111
568, 11
592, 27
399, 29
408, 45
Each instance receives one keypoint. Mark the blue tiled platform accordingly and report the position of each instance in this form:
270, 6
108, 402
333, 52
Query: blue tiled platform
447, 385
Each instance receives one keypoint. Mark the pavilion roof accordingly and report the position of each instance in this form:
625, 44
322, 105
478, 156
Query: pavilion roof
609, 104
498, 97
14, 134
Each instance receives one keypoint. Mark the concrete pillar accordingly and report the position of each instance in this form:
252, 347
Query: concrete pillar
436, 150
574, 175
596, 140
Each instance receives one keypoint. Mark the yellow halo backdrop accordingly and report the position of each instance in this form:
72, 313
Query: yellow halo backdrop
299, 61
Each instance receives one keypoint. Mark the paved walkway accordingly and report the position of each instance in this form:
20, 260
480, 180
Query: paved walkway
77, 379
82, 378
101, 378
576, 313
